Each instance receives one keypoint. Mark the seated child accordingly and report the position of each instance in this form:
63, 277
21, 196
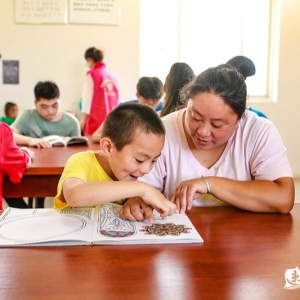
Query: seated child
13, 160
149, 91
131, 142
11, 111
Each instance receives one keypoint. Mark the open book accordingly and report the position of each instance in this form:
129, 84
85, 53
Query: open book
90, 225
56, 140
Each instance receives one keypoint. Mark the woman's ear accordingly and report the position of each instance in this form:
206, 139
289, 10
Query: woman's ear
106, 145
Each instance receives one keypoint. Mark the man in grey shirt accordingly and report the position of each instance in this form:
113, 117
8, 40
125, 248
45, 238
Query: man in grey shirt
46, 119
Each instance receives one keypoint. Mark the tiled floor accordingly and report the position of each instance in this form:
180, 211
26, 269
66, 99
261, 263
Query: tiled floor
49, 200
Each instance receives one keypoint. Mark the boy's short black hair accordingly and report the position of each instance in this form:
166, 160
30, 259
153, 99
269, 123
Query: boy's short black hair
150, 88
123, 122
8, 107
47, 90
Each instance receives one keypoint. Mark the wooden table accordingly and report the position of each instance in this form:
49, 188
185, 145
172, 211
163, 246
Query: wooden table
42, 178
244, 256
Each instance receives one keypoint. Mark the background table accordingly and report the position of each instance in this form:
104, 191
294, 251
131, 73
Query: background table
42, 178
244, 256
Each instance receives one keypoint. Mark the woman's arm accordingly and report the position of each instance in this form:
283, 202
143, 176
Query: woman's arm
276, 196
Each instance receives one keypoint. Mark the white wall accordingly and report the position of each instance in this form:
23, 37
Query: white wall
286, 112
55, 52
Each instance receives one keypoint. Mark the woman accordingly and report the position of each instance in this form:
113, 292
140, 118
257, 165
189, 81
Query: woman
100, 92
179, 75
217, 152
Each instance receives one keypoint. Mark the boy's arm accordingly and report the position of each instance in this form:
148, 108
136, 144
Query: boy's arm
29, 141
78, 193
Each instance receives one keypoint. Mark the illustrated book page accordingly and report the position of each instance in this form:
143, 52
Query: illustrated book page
110, 229
56, 140
90, 225
46, 226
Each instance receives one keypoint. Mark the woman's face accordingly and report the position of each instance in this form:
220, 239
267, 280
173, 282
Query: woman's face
90, 63
209, 121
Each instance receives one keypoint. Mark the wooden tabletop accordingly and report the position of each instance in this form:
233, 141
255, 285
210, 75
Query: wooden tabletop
244, 256
51, 161
42, 178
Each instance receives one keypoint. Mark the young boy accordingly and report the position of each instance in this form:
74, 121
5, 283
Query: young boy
46, 119
149, 92
11, 111
131, 142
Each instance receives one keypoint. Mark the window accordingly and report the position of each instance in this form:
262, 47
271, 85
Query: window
206, 33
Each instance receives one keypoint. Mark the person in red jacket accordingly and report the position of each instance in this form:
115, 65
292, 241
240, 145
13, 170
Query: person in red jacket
100, 92
13, 160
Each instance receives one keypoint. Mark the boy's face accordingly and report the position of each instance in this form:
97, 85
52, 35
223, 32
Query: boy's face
137, 158
153, 103
49, 109
14, 111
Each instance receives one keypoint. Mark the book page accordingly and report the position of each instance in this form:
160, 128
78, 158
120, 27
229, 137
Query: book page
21, 227
110, 229
55, 140
76, 140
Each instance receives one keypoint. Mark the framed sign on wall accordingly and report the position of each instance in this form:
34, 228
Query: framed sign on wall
38, 12
105, 12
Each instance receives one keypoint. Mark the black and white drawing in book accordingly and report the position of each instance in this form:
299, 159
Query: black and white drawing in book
98, 225
56, 140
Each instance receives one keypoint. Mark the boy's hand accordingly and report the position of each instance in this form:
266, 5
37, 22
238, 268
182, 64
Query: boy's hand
39, 143
140, 209
158, 201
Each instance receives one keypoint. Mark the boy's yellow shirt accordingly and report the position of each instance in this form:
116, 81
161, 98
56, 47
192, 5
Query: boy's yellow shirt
82, 165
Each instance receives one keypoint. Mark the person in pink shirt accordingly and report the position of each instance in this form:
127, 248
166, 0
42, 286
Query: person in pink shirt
100, 92
13, 160
217, 152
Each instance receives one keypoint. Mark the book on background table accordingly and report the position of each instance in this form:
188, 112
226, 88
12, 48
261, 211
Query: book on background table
56, 140
98, 225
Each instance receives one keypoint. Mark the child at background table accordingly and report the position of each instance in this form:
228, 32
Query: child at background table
13, 160
11, 111
46, 118
131, 142
149, 90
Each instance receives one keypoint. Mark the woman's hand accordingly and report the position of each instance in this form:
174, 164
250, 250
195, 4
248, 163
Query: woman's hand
186, 192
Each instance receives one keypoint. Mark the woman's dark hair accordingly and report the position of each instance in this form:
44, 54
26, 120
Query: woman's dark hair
224, 81
95, 54
126, 120
179, 75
